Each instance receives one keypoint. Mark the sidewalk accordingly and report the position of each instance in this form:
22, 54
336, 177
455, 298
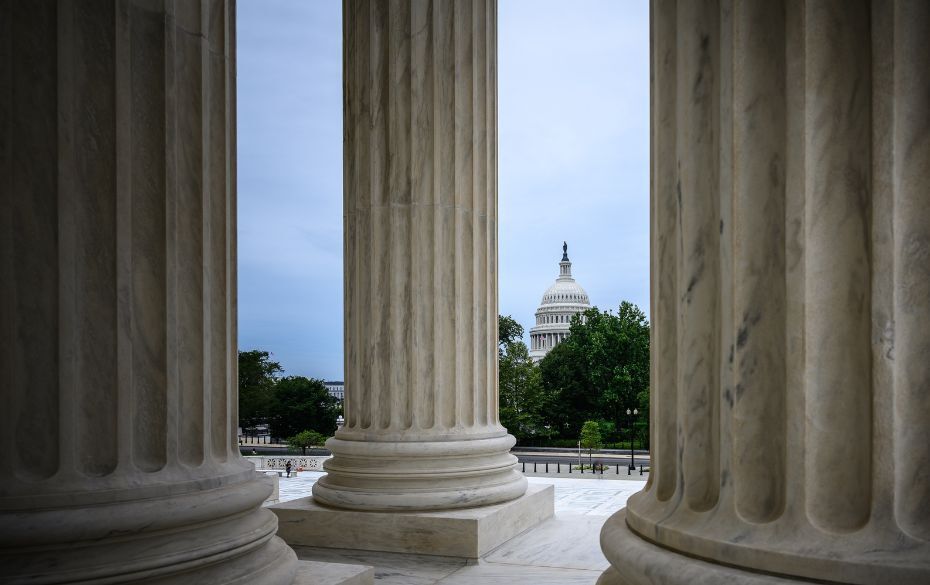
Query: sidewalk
584, 455
612, 472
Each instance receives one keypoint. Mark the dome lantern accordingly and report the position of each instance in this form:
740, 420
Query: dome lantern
565, 266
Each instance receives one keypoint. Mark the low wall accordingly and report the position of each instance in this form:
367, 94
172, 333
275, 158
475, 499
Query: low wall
308, 463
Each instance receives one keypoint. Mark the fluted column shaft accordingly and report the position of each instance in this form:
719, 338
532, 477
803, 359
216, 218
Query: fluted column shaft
790, 296
422, 428
117, 300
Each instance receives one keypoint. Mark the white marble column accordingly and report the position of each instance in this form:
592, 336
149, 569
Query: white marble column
118, 300
790, 297
422, 428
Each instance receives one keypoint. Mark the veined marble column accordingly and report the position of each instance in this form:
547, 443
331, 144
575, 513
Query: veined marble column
790, 297
118, 300
422, 428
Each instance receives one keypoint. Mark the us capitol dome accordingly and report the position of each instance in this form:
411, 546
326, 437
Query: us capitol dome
560, 303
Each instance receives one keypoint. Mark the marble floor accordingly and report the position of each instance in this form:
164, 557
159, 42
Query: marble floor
562, 550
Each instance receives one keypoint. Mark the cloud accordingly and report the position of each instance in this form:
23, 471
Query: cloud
574, 150
289, 61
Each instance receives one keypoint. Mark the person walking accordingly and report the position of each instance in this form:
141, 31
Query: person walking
287, 468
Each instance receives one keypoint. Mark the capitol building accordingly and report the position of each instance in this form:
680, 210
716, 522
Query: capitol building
563, 300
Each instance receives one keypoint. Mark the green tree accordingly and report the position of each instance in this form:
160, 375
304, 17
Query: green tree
508, 330
257, 377
521, 400
305, 439
567, 391
302, 403
591, 438
600, 370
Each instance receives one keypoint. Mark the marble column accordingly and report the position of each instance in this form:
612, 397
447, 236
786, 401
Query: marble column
118, 300
790, 281
422, 428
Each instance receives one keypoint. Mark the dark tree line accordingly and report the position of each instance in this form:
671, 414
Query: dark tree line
289, 405
522, 401
596, 374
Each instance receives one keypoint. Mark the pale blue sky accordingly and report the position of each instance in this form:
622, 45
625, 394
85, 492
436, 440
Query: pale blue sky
574, 164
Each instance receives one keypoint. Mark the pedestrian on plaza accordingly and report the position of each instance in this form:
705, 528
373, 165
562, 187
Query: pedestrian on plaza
254, 452
287, 468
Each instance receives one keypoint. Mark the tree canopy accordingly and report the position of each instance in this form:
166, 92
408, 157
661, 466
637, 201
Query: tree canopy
257, 377
300, 404
508, 331
599, 371
289, 404
305, 439
521, 400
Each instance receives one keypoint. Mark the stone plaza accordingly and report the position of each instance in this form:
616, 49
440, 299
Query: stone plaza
562, 550
790, 303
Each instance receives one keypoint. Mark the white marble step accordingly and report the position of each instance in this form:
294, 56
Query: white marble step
319, 573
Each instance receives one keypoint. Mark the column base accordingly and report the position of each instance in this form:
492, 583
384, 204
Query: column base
468, 533
219, 535
635, 561
419, 475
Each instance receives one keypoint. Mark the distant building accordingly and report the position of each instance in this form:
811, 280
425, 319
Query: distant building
562, 301
337, 389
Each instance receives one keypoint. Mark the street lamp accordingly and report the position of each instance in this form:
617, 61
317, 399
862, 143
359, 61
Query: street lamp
631, 414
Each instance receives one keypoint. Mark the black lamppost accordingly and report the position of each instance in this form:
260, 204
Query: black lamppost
631, 414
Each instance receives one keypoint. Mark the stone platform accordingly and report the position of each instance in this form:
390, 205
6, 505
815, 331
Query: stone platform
467, 533
563, 550
318, 573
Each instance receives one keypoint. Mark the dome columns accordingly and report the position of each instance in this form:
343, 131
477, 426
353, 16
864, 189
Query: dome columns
422, 428
790, 325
